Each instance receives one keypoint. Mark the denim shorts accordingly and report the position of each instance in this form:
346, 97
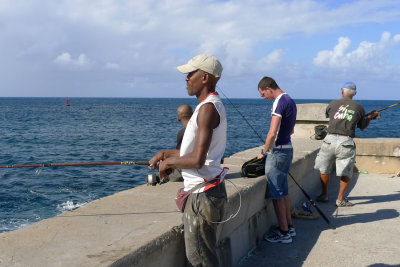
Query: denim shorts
277, 167
338, 150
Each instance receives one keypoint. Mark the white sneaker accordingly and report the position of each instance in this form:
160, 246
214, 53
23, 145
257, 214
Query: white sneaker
292, 231
278, 238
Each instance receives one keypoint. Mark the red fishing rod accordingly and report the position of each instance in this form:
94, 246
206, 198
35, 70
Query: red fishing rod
151, 179
77, 164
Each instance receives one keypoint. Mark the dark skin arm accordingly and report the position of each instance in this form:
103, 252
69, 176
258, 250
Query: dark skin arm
207, 120
371, 116
162, 155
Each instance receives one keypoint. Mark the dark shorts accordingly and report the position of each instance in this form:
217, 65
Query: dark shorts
277, 167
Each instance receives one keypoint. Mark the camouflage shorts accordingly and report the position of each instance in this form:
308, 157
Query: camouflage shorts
338, 150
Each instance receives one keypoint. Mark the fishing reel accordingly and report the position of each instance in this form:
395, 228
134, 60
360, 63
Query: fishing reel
153, 179
377, 117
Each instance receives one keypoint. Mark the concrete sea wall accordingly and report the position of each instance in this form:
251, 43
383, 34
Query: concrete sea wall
142, 226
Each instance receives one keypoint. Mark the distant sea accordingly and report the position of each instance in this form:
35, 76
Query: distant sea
44, 130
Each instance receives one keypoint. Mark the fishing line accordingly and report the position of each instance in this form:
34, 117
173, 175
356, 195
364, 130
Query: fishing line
302, 190
233, 215
248, 123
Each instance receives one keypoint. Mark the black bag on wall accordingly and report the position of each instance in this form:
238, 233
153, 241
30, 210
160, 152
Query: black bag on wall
320, 131
253, 168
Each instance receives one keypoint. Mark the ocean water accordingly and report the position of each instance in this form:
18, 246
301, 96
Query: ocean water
44, 130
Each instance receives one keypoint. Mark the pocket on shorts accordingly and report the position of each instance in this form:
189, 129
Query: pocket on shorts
347, 149
326, 142
283, 162
211, 209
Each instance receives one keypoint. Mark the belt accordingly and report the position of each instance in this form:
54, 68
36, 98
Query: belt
282, 146
338, 134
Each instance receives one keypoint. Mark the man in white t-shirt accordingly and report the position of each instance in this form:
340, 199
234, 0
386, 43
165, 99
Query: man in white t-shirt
199, 157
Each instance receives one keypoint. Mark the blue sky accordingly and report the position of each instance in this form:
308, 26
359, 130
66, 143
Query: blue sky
105, 48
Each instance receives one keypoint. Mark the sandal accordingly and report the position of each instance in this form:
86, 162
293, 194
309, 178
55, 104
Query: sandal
344, 203
322, 198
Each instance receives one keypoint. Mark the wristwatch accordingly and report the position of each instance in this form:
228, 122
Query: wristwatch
264, 153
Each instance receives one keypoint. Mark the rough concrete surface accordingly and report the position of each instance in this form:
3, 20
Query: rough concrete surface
97, 234
366, 234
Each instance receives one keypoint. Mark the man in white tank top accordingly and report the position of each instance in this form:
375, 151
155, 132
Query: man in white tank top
199, 157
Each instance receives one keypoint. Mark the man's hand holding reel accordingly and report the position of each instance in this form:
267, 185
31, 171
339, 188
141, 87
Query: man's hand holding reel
157, 163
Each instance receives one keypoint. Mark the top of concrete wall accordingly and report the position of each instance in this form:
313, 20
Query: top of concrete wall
384, 147
313, 112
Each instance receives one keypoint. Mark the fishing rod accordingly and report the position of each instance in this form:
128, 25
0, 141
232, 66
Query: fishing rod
77, 164
313, 203
382, 109
302, 190
152, 179
388, 107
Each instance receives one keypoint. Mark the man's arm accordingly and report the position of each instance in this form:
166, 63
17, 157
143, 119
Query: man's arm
160, 156
373, 114
207, 120
271, 136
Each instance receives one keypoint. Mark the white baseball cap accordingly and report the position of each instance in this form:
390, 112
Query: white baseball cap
203, 62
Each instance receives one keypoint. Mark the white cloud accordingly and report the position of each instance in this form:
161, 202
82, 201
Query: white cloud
4, 5
149, 38
367, 56
276, 64
112, 66
396, 38
82, 60
272, 61
275, 57
63, 58
66, 59
228, 29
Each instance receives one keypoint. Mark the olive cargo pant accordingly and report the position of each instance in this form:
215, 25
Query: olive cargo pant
200, 233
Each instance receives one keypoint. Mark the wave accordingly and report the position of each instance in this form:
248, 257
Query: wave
69, 205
